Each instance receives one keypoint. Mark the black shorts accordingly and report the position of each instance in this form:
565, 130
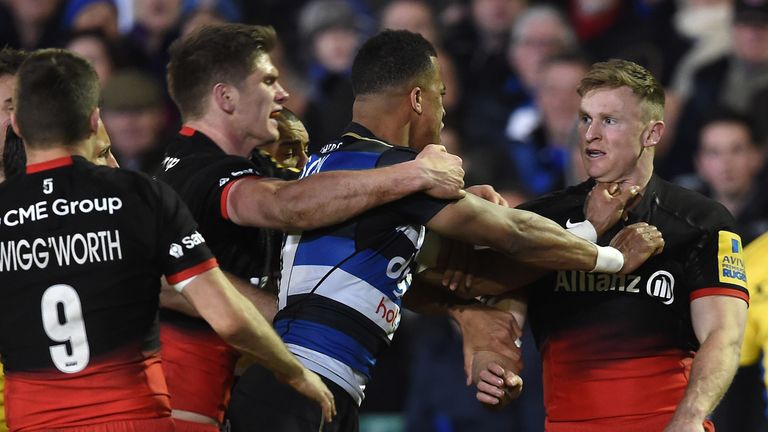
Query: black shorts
261, 403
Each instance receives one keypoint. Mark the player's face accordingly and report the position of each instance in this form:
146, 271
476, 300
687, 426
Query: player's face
430, 122
260, 98
727, 160
612, 131
292, 151
7, 83
102, 148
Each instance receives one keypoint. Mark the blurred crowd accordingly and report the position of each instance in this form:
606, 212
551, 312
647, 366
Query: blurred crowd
511, 68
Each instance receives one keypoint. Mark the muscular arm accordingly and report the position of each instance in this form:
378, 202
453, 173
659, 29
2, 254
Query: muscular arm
243, 327
522, 235
331, 197
265, 302
718, 322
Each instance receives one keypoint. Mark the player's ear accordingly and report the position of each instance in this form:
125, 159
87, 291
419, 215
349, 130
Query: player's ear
225, 97
655, 132
14, 124
94, 121
415, 97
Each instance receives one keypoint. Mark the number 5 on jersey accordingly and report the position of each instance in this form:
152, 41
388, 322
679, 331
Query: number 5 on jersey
63, 322
48, 186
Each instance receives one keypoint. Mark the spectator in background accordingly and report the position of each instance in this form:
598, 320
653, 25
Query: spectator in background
133, 114
93, 46
639, 30
87, 15
479, 44
417, 16
708, 24
333, 31
539, 32
728, 162
156, 25
542, 157
737, 81
197, 13
30, 24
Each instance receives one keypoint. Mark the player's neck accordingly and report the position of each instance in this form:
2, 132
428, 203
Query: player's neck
38, 155
382, 118
225, 138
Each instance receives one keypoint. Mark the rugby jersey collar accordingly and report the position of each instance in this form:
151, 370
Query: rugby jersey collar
49, 165
358, 131
191, 140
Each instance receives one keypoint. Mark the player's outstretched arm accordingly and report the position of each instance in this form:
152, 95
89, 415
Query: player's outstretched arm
718, 322
265, 302
238, 322
524, 236
331, 197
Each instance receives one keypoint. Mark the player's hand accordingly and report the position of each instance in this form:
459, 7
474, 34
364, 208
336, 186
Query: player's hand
637, 242
458, 260
311, 386
607, 203
496, 384
442, 172
484, 328
488, 193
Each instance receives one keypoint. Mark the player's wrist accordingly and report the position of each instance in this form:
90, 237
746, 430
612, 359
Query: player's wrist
609, 260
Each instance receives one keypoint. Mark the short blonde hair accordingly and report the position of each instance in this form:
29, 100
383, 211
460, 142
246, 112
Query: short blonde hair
617, 73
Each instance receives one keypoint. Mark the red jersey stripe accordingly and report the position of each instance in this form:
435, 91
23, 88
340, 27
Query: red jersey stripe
187, 131
705, 292
225, 195
192, 271
50, 164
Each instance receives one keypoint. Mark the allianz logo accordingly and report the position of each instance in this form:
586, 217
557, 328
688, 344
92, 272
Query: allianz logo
660, 285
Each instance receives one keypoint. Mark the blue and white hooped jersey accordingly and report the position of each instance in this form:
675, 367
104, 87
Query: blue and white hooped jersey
341, 286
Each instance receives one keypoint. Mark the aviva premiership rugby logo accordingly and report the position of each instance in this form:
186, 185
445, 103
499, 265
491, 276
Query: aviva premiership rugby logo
661, 285
730, 260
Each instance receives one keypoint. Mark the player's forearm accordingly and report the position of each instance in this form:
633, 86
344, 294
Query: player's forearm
539, 241
712, 371
256, 337
332, 197
265, 302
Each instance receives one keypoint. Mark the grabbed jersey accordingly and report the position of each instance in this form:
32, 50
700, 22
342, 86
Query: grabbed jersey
341, 286
620, 347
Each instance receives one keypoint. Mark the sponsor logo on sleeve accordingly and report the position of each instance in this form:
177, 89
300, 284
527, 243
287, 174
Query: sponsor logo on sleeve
730, 259
176, 250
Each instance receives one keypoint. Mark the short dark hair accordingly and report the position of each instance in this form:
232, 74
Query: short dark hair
11, 60
56, 93
726, 115
389, 59
213, 54
616, 73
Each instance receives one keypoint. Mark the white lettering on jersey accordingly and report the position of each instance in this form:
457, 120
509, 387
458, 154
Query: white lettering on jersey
573, 281
193, 240
72, 249
60, 207
169, 162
